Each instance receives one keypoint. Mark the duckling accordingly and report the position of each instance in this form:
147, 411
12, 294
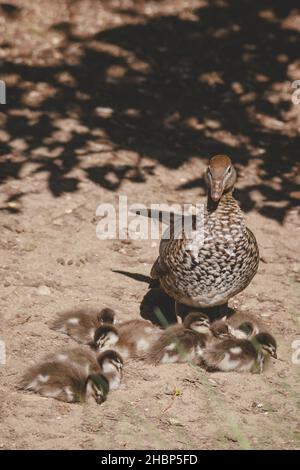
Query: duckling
109, 362
131, 338
244, 325
207, 272
240, 355
81, 324
181, 343
65, 382
238, 325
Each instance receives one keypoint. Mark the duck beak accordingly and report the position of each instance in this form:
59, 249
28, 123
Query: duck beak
216, 190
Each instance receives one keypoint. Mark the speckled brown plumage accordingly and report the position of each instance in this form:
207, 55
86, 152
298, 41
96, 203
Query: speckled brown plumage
210, 273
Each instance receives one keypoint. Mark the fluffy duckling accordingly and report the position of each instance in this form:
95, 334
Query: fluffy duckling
82, 324
244, 325
109, 362
239, 325
181, 343
65, 382
131, 339
240, 355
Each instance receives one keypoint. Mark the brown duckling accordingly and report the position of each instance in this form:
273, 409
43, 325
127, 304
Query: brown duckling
239, 325
245, 325
81, 324
181, 343
131, 339
65, 382
109, 362
240, 355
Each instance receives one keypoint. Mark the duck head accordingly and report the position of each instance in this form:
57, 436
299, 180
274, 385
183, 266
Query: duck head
221, 176
107, 315
267, 343
220, 329
245, 330
97, 386
197, 321
105, 337
110, 361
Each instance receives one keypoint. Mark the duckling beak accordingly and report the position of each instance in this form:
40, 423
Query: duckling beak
216, 190
274, 355
99, 400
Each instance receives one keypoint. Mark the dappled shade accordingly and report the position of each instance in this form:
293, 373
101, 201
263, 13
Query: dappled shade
217, 79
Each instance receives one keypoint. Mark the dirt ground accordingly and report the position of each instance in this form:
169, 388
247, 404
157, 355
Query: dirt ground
131, 98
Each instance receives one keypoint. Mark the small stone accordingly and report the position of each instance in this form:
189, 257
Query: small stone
19, 229
58, 222
212, 382
174, 422
70, 262
282, 374
43, 290
6, 283
61, 261
257, 405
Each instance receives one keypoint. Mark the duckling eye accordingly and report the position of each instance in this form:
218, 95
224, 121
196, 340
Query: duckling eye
229, 170
209, 172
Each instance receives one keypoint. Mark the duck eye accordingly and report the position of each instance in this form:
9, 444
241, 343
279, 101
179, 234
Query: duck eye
229, 170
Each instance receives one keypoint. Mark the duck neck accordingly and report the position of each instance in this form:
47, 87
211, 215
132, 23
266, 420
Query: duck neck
227, 201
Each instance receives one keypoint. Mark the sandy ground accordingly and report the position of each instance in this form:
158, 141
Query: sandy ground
51, 259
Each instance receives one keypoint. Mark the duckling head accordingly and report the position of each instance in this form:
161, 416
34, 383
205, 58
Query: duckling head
221, 176
110, 361
107, 315
245, 330
220, 329
197, 321
97, 386
106, 336
267, 343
